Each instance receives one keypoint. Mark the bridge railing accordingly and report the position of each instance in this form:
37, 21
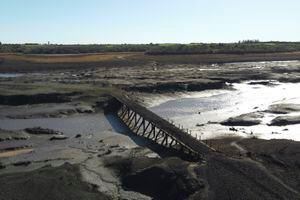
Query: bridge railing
145, 128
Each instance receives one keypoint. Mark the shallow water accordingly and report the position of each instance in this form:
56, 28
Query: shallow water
90, 125
9, 75
211, 106
82, 124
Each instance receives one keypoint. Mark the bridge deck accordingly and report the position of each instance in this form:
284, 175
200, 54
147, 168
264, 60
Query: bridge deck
163, 124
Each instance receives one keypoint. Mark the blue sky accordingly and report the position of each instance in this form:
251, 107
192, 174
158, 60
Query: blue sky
145, 21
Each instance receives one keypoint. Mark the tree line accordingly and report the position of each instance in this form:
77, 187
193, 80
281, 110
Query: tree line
246, 46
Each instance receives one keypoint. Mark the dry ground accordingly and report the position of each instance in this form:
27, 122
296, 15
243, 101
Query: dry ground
21, 62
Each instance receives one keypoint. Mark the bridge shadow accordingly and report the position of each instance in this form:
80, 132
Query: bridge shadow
164, 152
121, 128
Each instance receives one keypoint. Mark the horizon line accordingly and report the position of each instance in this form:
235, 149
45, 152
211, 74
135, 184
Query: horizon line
154, 43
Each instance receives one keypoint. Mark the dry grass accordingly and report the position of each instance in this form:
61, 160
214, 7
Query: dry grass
44, 88
221, 58
65, 58
27, 63
139, 56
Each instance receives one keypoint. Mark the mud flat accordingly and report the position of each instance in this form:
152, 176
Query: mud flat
108, 163
55, 183
248, 119
42, 145
100, 159
283, 108
285, 120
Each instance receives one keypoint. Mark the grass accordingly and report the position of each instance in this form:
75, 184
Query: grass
64, 58
42, 62
43, 88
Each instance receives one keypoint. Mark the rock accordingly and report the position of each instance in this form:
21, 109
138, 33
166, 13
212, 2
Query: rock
22, 163
211, 122
274, 132
66, 112
285, 120
261, 83
59, 137
84, 110
6, 135
78, 136
249, 154
249, 119
283, 108
105, 152
114, 146
233, 129
16, 100
170, 179
178, 86
42, 131
2, 166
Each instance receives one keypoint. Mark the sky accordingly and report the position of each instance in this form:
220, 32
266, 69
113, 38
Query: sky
146, 21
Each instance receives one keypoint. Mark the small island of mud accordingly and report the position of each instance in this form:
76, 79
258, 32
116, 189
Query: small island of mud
248, 119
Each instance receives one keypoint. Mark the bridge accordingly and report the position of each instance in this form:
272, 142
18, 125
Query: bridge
145, 123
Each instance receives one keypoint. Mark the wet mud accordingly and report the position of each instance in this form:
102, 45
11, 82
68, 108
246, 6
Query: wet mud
55, 136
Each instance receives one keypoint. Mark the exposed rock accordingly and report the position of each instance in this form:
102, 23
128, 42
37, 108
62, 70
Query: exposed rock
249, 119
66, 112
283, 108
285, 120
59, 137
233, 129
104, 152
266, 82
13, 135
16, 100
2, 166
42, 131
114, 146
22, 163
160, 179
178, 86
274, 132
84, 110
